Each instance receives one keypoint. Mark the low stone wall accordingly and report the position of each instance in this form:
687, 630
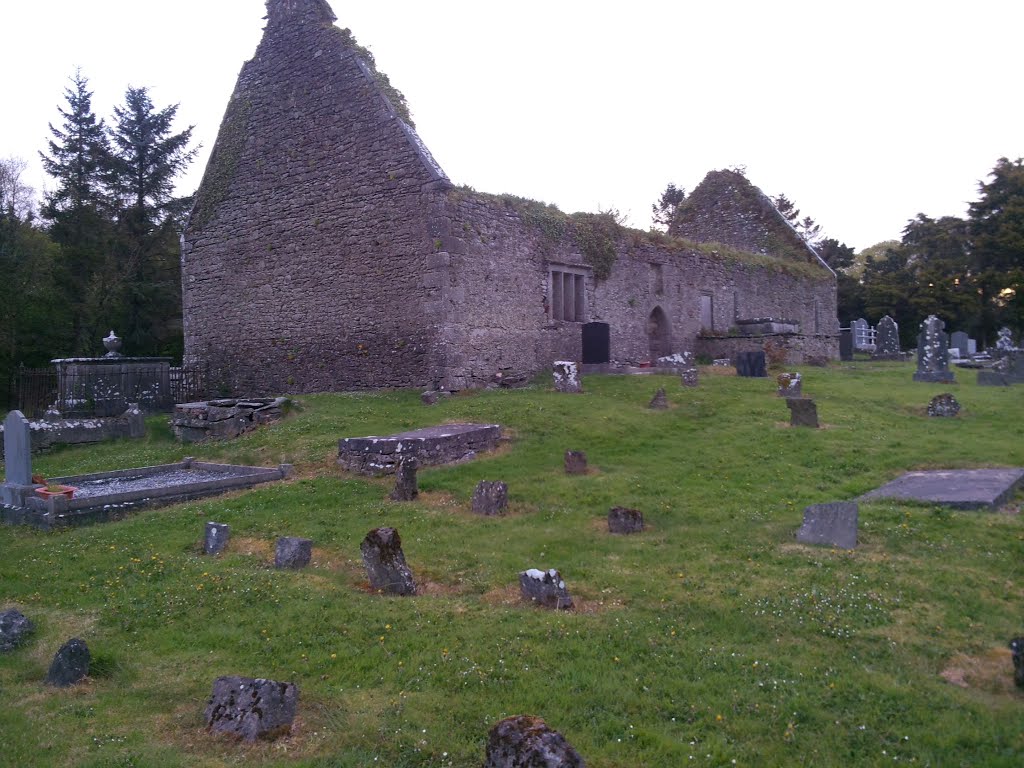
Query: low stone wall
48, 432
445, 444
225, 419
800, 348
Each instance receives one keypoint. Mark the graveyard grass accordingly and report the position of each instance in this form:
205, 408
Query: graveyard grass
711, 639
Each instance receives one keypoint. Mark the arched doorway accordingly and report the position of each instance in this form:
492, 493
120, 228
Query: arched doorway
659, 336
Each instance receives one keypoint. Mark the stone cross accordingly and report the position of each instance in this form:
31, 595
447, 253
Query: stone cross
17, 449
933, 352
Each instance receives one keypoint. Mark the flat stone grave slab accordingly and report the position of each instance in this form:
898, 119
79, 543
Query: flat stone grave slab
957, 488
443, 444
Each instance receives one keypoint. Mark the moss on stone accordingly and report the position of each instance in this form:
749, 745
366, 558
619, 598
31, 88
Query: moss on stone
220, 171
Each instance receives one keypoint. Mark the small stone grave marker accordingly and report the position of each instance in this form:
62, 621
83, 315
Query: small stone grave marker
751, 364
623, 520
546, 588
406, 487
216, 538
385, 562
846, 344
70, 664
292, 552
1017, 651
790, 384
943, 406
14, 628
490, 498
802, 412
689, 377
566, 376
659, 402
833, 524
958, 340
524, 741
432, 396
251, 709
575, 463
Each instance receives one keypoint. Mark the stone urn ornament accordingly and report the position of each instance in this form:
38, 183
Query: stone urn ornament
113, 345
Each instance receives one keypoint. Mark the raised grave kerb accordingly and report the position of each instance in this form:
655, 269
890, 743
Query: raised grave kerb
442, 444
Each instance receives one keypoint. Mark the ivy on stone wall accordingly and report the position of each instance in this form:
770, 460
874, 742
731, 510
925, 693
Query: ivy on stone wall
395, 96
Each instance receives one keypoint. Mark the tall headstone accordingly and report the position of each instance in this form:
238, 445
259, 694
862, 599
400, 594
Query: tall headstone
861, 330
960, 341
846, 344
1005, 342
887, 340
18, 485
933, 352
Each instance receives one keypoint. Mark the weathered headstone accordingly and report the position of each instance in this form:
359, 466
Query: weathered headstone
566, 376
385, 562
624, 520
721, 362
216, 538
833, 524
961, 342
751, 364
790, 385
406, 487
972, 347
846, 344
545, 587
861, 331
70, 664
17, 460
689, 377
292, 552
490, 497
802, 412
659, 402
575, 463
1005, 342
944, 405
887, 340
933, 352
525, 741
251, 709
1017, 653
14, 628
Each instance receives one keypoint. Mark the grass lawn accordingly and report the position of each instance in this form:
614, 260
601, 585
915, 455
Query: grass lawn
711, 639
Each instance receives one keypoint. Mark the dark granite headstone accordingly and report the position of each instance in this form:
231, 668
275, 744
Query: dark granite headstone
846, 345
14, 628
385, 562
790, 384
887, 340
70, 665
751, 364
292, 552
1017, 652
566, 376
961, 341
575, 463
659, 402
545, 588
623, 520
933, 352
216, 538
490, 498
802, 412
406, 487
525, 741
944, 405
251, 709
833, 524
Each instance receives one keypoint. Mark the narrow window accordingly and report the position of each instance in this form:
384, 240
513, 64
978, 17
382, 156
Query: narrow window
568, 295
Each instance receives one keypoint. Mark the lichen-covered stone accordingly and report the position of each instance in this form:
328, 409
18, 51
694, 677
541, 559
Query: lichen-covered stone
545, 588
575, 463
624, 520
406, 486
385, 562
933, 352
14, 629
566, 377
660, 401
70, 665
490, 497
943, 406
292, 552
525, 741
251, 709
790, 385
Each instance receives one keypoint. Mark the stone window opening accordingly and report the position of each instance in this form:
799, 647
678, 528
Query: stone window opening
567, 290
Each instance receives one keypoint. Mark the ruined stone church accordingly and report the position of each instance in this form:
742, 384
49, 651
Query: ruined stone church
327, 250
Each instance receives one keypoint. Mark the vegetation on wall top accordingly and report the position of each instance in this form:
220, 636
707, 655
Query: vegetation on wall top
395, 96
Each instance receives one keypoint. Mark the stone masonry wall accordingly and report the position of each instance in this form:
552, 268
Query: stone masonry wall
305, 256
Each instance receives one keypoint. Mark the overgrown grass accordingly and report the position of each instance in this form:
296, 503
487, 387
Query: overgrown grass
712, 634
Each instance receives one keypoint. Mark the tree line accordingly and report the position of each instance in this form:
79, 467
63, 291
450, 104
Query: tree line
101, 250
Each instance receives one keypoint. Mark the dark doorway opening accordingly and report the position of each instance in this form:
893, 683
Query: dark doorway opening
597, 345
659, 337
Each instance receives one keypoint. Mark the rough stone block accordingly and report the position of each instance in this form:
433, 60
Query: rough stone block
490, 498
385, 562
215, 538
14, 629
292, 552
575, 463
406, 487
623, 520
802, 412
659, 402
566, 377
70, 664
790, 385
251, 709
833, 524
943, 406
545, 588
689, 377
525, 741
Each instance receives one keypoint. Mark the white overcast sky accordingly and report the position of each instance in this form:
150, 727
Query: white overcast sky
863, 113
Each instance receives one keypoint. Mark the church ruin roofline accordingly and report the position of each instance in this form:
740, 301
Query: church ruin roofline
315, 10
